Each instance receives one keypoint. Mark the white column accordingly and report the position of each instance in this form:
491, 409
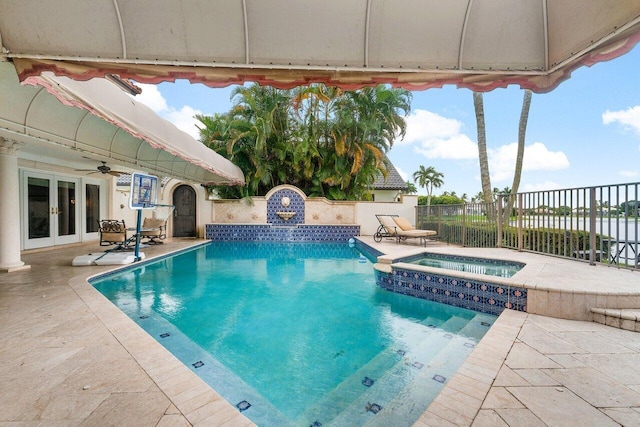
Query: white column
9, 207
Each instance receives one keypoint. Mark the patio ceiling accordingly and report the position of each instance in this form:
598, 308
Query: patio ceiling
109, 126
416, 44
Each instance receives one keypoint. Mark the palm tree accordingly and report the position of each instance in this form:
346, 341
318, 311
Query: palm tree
325, 141
485, 178
365, 124
522, 130
478, 198
411, 188
428, 178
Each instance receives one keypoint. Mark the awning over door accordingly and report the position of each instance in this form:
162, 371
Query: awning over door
107, 125
416, 44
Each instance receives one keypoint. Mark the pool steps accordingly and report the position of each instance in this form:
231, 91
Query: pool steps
622, 318
437, 346
425, 388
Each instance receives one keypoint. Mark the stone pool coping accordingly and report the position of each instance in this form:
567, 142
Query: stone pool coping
538, 370
62, 334
556, 287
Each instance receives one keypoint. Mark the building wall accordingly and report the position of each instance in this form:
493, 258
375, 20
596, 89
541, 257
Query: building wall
366, 212
119, 208
317, 210
386, 195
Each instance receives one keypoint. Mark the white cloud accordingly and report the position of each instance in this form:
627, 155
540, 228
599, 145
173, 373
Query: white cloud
629, 118
402, 173
183, 118
152, 98
541, 186
537, 156
438, 137
628, 174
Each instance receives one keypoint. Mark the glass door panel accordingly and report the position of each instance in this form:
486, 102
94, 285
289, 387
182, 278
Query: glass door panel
92, 205
39, 207
52, 214
66, 208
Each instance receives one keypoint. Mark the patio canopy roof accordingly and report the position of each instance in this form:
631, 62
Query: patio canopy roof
109, 125
415, 44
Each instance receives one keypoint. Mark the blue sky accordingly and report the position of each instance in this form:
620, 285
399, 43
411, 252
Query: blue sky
585, 132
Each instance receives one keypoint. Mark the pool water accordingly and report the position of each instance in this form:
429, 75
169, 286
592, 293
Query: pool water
298, 334
489, 267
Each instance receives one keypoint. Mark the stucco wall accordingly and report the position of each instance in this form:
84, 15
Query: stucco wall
366, 212
317, 211
119, 208
239, 211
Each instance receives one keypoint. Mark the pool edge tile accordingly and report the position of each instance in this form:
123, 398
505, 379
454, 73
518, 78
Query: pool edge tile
156, 361
497, 342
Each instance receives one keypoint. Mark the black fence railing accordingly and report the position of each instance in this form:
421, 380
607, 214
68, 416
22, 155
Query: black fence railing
595, 224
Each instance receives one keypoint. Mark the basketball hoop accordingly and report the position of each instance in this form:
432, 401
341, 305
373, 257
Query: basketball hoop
144, 191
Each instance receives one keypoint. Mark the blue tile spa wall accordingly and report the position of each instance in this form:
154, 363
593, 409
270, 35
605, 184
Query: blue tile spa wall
266, 232
285, 200
482, 296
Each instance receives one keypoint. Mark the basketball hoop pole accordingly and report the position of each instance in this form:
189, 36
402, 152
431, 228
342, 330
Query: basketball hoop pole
139, 227
144, 194
137, 252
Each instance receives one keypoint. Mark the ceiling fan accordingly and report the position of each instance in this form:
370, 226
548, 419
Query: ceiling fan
104, 169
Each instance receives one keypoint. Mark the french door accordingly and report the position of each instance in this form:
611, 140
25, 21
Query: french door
53, 207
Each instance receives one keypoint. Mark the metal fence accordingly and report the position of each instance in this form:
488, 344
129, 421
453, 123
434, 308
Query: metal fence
471, 224
594, 224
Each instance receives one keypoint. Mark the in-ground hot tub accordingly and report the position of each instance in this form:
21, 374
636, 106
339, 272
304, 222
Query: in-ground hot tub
465, 282
486, 266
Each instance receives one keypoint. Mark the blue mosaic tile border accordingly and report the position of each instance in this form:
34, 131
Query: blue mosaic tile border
374, 253
482, 296
371, 253
296, 204
273, 249
266, 232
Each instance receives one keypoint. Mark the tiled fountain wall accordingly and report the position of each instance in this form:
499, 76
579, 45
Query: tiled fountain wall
312, 220
285, 200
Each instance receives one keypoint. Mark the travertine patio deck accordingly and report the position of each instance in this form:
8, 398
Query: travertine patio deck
69, 357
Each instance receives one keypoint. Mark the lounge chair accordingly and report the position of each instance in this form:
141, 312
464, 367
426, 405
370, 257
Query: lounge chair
112, 232
154, 230
401, 229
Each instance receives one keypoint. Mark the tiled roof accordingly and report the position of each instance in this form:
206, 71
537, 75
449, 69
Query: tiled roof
393, 181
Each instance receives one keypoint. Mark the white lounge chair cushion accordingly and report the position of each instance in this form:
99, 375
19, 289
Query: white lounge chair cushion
394, 229
388, 223
403, 223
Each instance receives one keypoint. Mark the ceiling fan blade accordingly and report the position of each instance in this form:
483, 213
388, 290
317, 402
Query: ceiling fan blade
115, 173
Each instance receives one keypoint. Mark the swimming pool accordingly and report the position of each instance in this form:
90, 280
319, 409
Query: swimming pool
298, 334
485, 266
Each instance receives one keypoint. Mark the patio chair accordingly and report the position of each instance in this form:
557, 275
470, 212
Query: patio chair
112, 232
394, 226
382, 232
154, 230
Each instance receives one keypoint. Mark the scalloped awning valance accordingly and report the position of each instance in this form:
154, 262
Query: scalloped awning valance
415, 44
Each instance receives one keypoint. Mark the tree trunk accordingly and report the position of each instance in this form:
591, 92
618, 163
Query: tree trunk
482, 152
522, 130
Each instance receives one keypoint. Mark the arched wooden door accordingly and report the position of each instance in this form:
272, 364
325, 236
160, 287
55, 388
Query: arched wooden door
184, 215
